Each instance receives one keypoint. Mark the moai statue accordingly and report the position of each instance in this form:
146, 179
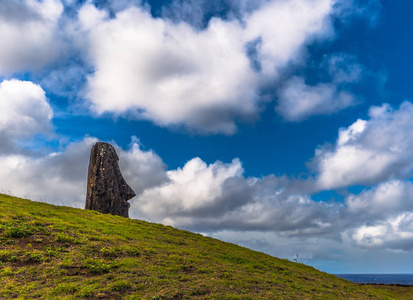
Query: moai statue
107, 190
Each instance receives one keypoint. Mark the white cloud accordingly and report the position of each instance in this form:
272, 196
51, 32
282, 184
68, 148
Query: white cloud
89, 16
350, 165
196, 187
176, 75
393, 233
351, 133
298, 101
24, 111
170, 73
28, 31
142, 169
285, 27
369, 151
384, 200
205, 197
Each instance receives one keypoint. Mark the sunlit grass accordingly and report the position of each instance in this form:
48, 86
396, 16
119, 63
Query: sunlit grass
54, 252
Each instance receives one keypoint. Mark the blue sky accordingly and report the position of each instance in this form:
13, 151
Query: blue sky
280, 125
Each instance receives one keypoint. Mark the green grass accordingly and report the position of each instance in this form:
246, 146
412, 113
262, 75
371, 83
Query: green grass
55, 252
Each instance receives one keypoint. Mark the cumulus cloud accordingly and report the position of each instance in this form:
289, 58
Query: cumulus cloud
369, 151
195, 189
24, 112
177, 75
28, 31
384, 200
285, 27
298, 101
217, 196
380, 217
142, 169
89, 16
169, 78
394, 233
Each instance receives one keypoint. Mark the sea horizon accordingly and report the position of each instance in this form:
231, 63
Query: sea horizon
378, 278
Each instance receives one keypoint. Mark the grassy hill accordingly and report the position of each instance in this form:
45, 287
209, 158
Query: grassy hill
54, 252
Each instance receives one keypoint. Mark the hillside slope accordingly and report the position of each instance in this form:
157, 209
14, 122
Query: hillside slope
54, 252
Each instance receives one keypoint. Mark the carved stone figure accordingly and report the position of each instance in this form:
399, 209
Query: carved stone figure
107, 190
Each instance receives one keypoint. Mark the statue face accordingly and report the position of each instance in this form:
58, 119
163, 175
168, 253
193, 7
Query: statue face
108, 192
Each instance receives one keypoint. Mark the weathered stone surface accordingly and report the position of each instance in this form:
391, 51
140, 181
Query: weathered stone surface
107, 190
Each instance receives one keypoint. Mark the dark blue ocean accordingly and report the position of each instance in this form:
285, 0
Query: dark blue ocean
404, 279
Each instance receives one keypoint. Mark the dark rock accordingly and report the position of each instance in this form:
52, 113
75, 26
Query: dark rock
107, 191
